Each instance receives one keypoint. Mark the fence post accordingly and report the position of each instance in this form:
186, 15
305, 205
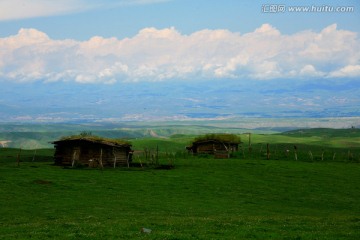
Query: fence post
101, 163
33, 159
295, 153
18, 158
250, 148
311, 155
157, 154
114, 157
73, 159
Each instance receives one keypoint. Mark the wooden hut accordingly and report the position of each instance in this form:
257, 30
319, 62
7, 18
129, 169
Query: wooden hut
92, 151
219, 145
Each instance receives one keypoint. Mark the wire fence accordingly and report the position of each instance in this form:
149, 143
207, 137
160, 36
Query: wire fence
298, 152
9, 155
258, 151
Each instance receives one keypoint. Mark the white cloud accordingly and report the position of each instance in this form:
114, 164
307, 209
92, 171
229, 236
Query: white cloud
347, 71
310, 71
21, 9
164, 54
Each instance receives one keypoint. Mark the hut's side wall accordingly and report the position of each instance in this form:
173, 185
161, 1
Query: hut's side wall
233, 147
109, 154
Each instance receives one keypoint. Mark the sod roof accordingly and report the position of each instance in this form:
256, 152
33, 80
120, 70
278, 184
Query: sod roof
95, 139
220, 137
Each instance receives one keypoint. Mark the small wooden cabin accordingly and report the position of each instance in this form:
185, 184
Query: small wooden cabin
219, 145
92, 151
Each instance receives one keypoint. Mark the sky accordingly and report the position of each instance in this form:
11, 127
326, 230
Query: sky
178, 59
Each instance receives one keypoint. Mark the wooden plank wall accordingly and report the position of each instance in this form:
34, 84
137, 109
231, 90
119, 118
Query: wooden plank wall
87, 153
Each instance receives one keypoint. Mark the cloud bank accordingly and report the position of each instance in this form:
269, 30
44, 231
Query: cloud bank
165, 54
22, 9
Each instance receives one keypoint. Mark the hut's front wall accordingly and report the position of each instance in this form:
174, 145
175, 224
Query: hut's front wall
89, 153
219, 149
210, 148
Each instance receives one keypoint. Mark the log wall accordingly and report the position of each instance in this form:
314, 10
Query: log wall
90, 153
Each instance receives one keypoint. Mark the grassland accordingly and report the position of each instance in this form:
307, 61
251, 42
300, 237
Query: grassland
245, 197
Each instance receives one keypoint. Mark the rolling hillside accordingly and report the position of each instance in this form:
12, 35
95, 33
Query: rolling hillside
32, 136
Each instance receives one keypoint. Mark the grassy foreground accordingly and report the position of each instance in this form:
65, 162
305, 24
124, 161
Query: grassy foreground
199, 199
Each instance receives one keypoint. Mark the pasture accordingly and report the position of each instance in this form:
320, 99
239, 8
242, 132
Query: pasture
244, 197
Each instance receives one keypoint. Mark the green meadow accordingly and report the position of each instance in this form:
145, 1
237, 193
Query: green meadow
245, 197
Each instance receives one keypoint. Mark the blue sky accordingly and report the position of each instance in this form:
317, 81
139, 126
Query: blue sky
82, 20
243, 58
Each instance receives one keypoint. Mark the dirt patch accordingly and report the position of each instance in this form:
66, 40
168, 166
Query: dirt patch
42, 182
164, 167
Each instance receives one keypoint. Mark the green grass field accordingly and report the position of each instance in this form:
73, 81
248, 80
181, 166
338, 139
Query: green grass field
245, 197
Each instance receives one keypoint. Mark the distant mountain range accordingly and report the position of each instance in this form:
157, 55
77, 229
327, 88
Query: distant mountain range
179, 100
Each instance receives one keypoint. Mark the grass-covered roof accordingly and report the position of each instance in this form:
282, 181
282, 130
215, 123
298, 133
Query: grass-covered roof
96, 139
221, 137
